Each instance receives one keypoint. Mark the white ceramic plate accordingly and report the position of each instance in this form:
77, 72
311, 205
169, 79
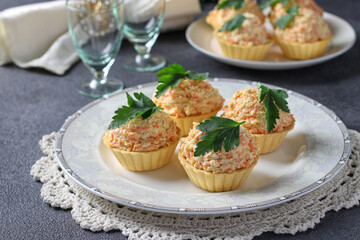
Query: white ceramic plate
200, 35
312, 153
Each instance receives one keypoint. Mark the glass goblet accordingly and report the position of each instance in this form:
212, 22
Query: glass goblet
96, 28
143, 20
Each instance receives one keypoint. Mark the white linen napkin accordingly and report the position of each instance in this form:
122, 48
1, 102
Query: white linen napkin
36, 35
179, 13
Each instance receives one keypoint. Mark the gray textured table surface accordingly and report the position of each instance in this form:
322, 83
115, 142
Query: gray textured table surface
34, 103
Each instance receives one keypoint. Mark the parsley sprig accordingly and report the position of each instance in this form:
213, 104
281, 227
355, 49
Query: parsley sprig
236, 4
285, 20
234, 23
273, 100
172, 75
144, 108
219, 132
270, 3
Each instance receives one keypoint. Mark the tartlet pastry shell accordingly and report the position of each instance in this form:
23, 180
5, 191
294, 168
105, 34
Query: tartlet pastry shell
302, 51
144, 161
216, 182
186, 123
253, 53
271, 141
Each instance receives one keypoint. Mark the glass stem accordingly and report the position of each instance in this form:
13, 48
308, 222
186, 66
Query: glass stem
143, 53
99, 78
100, 74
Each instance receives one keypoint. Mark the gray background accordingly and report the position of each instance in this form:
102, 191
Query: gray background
35, 102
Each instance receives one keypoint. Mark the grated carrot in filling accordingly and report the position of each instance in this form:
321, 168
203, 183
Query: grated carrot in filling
219, 17
221, 161
307, 27
190, 98
278, 9
244, 106
139, 135
252, 33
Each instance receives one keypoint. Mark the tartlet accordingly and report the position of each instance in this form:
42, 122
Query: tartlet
144, 144
218, 171
190, 101
306, 37
251, 41
244, 106
217, 17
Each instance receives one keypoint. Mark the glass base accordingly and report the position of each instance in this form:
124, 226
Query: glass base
147, 64
95, 89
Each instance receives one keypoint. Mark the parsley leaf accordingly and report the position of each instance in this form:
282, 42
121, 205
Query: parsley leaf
219, 132
172, 75
231, 3
197, 76
233, 23
270, 3
285, 20
144, 107
273, 100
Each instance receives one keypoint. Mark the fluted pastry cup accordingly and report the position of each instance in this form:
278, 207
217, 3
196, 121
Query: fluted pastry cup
303, 51
216, 182
252, 53
143, 161
271, 141
186, 123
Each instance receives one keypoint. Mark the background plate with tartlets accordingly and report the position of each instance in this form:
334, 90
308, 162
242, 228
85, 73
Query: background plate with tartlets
311, 154
200, 36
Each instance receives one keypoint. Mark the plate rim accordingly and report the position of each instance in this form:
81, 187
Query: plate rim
203, 211
266, 65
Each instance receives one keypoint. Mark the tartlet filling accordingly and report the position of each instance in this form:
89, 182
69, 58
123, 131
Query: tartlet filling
189, 98
278, 9
307, 27
218, 17
244, 106
139, 135
252, 33
240, 157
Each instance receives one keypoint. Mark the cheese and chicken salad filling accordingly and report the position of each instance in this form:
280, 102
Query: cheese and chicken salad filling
244, 106
218, 17
221, 161
251, 33
309, 4
139, 135
189, 98
278, 9
307, 27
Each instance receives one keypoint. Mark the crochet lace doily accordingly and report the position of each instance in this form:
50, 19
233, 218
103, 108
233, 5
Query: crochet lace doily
98, 214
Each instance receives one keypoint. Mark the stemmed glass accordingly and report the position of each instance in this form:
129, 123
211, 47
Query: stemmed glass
96, 28
143, 20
